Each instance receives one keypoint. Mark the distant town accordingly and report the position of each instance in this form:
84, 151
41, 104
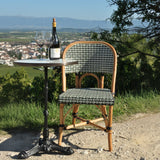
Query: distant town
21, 51
9, 51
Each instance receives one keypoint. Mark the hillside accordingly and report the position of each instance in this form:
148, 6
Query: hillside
18, 22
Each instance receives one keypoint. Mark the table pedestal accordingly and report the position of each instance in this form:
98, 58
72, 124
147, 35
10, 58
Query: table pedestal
45, 144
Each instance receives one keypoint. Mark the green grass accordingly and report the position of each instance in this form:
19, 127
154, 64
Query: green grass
31, 71
30, 115
26, 116
130, 104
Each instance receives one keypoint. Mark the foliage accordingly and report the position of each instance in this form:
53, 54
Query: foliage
141, 48
14, 88
17, 87
157, 73
128, 16
146, 11
136, 70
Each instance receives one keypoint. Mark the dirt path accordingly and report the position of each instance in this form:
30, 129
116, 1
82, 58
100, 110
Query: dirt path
135, 139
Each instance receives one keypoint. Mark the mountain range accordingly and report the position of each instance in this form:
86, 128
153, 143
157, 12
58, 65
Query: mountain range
63, 24
33, 23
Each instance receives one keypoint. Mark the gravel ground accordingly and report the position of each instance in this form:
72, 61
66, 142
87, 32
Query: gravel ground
135, 139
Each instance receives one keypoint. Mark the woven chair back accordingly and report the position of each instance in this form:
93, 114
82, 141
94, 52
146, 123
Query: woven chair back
92, 56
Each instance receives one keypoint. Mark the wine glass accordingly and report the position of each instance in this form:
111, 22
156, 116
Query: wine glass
47, 37
40, 40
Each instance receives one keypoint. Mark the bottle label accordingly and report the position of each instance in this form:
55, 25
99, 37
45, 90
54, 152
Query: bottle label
54, 53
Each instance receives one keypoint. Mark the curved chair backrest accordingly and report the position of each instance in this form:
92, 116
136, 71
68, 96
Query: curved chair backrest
92, 56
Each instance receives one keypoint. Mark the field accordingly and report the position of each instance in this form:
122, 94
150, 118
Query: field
16, 37
31, 71
24, 37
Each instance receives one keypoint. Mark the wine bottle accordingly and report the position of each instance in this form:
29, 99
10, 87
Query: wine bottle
54, 50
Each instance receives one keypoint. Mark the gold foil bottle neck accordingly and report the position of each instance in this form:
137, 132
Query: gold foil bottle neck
54, 22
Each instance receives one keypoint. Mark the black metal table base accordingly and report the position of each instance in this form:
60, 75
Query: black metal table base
46, 146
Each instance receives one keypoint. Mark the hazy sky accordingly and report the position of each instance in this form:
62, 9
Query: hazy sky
79, 9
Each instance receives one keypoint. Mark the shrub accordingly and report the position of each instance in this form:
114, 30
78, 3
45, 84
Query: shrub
14, 88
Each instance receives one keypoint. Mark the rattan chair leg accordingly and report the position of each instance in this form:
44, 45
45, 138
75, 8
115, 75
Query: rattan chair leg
75, 111
61, 127
104, 113
110, 128
110, 141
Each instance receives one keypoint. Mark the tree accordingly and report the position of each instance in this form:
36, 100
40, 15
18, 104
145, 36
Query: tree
147, 12
138, 47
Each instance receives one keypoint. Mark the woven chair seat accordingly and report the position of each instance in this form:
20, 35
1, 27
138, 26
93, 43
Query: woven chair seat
96, 96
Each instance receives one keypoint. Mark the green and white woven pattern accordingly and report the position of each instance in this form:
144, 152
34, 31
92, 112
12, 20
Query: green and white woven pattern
97, 58
87, 96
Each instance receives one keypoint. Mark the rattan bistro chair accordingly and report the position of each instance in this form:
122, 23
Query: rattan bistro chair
93, 57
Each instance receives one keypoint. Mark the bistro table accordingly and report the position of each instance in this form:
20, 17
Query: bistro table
45, 144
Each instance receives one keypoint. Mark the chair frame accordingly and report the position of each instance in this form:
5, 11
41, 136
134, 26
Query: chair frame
75, 107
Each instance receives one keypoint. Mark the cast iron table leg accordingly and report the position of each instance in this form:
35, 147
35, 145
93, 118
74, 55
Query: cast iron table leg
45, 144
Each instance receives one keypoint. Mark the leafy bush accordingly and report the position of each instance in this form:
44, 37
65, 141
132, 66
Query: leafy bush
15, 87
